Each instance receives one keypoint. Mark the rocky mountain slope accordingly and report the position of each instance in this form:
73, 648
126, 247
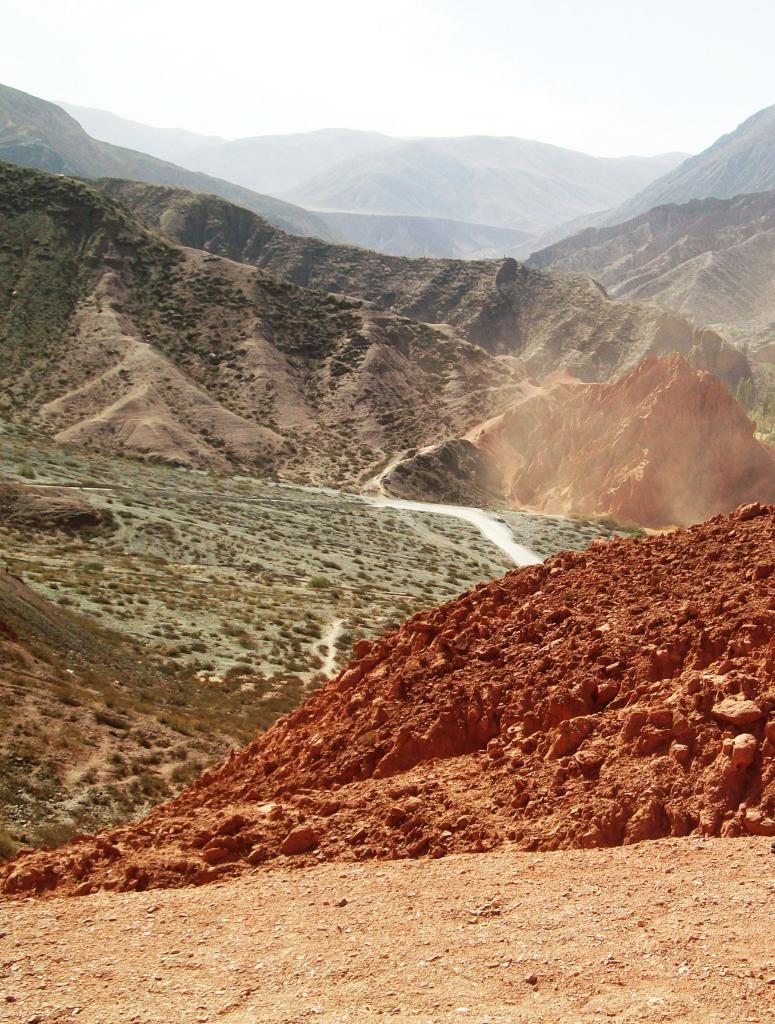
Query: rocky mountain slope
712, 260
741, 161
39, 134
603, 698
549, 321
664, 445
113, 336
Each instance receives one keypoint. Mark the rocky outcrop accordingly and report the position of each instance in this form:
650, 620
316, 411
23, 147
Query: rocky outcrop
664, 445
47, 508
606, 697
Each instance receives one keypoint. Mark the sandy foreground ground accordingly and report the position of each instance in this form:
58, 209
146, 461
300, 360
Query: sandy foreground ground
675, 930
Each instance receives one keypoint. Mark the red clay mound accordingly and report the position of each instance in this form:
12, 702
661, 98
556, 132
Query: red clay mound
610, 696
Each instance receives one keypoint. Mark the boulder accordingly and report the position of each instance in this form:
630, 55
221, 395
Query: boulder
737, 711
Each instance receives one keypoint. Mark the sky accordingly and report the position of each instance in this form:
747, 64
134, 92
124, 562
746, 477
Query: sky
609, 77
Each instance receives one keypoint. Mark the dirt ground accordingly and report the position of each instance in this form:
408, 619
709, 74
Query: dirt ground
675, 930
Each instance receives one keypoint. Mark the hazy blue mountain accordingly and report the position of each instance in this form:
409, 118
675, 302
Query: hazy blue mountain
742, 161
428, 236
172, 144
506, 182
499, 184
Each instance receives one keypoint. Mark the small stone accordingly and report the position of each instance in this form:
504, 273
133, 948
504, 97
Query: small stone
737, 711
743, 750
680, 752
299, 840
531, 979
341, 903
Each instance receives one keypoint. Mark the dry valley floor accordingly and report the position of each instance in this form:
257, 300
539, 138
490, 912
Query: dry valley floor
668, 931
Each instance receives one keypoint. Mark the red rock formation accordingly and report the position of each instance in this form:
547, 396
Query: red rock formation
605, 697
665, 445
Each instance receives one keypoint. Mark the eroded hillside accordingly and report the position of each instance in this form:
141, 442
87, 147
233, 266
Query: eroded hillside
664, 445
117, 338
710, 259
549, 321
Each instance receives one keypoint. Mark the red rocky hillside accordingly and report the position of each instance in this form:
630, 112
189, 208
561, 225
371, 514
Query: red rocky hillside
610, 696
665, 445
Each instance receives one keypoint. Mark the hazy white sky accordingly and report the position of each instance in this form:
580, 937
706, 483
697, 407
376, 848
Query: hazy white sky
605, 76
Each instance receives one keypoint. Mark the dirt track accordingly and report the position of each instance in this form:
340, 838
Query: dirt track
676, 930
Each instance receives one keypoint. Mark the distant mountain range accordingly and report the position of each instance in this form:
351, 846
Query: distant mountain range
39, 134
514, 183
459, 192
427, 236
696, 238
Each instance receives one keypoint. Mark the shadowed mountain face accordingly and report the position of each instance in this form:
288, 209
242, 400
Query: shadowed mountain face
742, 161
711, 259
38, 134
548, 321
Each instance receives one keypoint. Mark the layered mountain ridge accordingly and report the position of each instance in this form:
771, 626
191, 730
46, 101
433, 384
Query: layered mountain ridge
411, 197
712, 260
114, 336
118, 338
548, 321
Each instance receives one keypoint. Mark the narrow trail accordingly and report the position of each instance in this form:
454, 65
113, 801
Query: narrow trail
327, 646
492, 529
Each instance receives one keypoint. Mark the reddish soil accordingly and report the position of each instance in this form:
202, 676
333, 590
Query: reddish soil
677, 930
606, 697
